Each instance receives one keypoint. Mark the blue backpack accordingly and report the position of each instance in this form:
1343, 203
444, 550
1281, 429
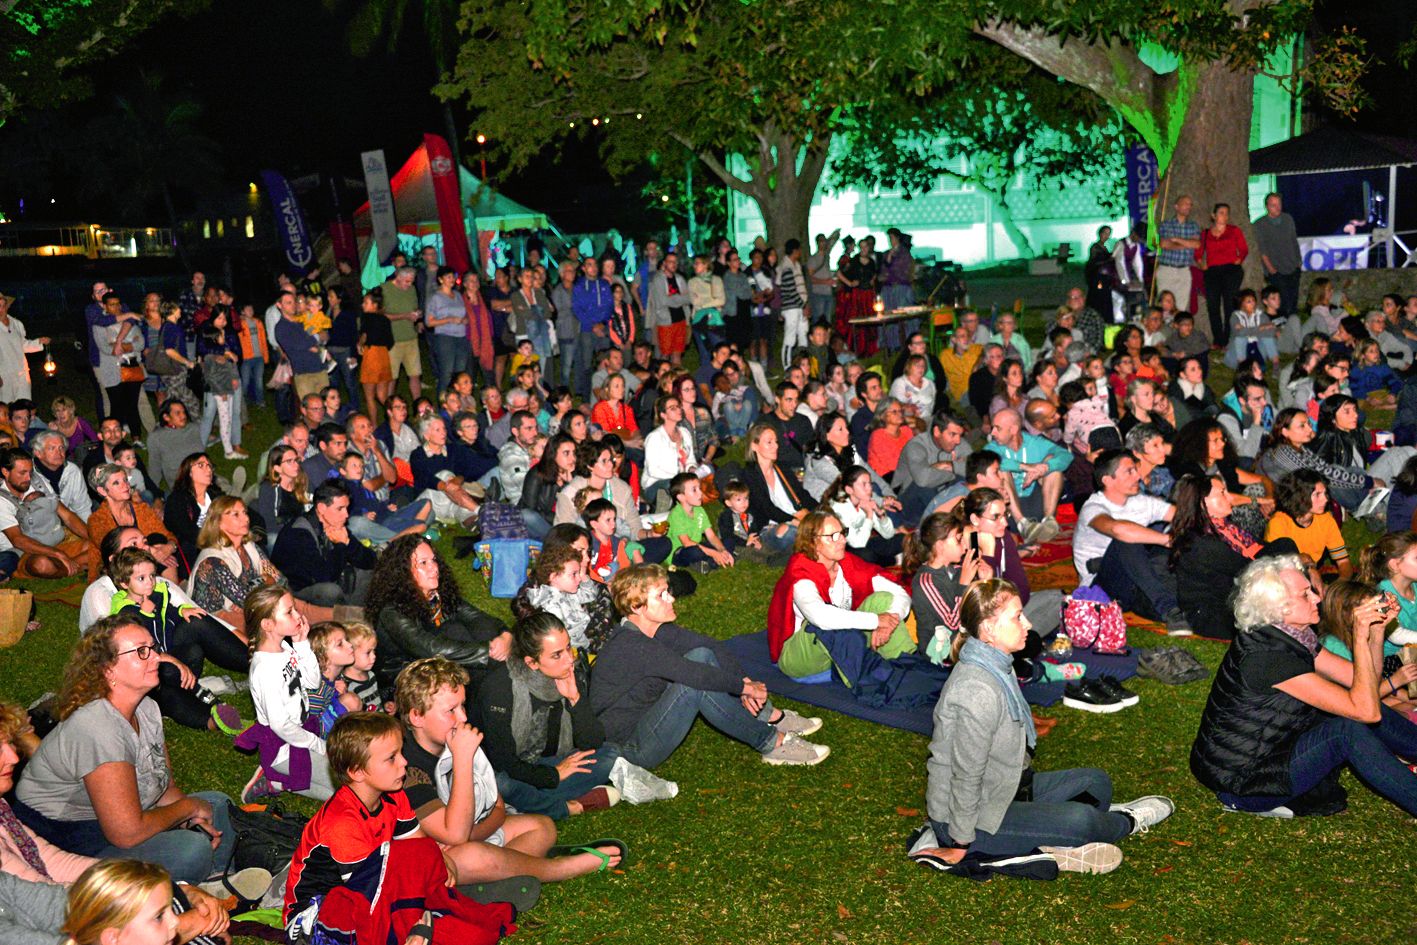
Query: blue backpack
506, 563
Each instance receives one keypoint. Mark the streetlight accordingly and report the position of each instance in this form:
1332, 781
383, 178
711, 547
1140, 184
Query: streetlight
482, 155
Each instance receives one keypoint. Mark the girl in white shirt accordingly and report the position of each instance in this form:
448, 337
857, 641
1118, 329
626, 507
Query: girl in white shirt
283, 667
869, 531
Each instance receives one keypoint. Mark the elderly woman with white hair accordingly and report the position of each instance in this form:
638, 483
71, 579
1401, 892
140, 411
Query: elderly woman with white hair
1284, 715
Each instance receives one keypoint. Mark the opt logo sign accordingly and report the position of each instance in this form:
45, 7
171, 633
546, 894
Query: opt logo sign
1328, 253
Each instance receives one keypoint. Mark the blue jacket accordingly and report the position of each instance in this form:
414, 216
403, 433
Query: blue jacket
592, 301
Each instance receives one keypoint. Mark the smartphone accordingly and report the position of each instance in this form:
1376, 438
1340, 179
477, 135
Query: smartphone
974, 542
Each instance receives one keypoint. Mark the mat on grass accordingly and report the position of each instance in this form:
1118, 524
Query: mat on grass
751, 650
52, 592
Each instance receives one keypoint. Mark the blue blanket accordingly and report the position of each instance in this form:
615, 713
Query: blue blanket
900, 693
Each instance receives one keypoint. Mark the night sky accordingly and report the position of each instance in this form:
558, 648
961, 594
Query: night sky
281, 90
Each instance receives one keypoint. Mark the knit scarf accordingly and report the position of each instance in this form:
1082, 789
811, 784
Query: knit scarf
1000, 665
1304, 635
29, 850
534, 697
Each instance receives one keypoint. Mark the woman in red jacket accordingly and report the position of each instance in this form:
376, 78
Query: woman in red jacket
1221, 254
826, 587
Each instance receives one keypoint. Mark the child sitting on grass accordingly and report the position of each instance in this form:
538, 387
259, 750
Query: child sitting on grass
364, 871
283, 670
693, 542
125, 454
329, 699
559, 585
608, 552
359, 678
944, 568
146, 598
453, 791
388, 519
737, 526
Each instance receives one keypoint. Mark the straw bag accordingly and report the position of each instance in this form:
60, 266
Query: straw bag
14, 614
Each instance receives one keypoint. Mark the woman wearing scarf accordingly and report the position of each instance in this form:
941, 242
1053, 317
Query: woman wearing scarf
479, 324
826, 587
984, 799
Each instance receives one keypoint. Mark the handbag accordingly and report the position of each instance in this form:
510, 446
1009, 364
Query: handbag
281, 376
159, 362
506, 564
1093, 621
131, 371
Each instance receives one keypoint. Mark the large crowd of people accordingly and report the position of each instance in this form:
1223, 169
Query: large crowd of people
898, 492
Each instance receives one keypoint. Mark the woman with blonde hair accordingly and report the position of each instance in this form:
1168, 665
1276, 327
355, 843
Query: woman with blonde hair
100, 784
983, 796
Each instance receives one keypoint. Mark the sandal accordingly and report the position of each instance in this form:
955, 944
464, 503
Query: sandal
522, 892
591, 847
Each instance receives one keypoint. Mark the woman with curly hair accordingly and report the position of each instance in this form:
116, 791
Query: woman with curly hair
417, 610
100, 783
1202, 448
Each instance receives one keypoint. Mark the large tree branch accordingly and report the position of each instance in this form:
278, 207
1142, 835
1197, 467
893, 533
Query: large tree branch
1113, 71
711, 161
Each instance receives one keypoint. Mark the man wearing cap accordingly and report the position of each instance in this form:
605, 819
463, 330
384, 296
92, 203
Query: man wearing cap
14, 368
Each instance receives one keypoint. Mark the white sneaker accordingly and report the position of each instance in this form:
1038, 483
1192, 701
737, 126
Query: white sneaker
793, 723
1088, 858
1046, 530
1146, 812
1027, 528
1279, 813
796, 751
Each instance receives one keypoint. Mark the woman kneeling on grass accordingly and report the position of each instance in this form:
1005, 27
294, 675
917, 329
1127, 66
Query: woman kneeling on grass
983, 796
1284, 714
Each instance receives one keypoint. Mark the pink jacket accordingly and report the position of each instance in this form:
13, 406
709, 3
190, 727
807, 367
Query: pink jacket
64, 867
1084, 417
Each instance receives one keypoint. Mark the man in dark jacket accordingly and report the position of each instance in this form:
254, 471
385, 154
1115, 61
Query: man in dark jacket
324, 564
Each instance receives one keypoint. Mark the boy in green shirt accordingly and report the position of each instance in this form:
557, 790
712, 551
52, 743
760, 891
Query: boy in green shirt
693, 541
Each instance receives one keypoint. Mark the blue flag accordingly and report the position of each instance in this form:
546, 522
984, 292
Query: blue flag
1141, 181
294, 232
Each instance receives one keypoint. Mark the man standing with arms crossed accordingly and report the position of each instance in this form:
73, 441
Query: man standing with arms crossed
1180, 237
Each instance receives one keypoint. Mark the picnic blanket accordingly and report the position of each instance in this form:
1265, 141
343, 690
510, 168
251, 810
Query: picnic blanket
751, 650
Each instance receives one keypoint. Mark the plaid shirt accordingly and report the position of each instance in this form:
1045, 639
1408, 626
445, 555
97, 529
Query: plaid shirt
1175, 229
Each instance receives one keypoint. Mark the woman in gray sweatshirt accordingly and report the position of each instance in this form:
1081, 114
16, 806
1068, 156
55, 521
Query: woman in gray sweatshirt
983, 797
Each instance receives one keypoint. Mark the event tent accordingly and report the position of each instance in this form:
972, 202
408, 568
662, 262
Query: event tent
485, 214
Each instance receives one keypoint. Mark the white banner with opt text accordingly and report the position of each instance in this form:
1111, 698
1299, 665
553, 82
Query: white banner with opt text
1328, 253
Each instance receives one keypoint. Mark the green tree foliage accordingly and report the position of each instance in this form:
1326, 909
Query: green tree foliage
1004, 124
44, 43
766, 81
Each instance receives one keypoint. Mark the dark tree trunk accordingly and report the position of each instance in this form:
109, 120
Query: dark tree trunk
785, 213
1212, 158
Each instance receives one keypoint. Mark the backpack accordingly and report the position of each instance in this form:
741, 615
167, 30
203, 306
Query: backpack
266, 838
506, 563
499, 521
1093, 621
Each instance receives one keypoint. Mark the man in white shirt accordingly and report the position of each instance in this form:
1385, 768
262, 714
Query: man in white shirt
1115, 547
39, 536
14, 368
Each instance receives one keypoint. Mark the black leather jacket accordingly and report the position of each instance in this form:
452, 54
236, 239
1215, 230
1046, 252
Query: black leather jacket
463, 638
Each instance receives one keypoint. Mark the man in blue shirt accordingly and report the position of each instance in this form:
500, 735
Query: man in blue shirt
1036, 464
592, 301
1180, 237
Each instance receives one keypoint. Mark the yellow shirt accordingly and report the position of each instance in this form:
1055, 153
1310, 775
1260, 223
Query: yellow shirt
958, 367
316, 323
1322, 535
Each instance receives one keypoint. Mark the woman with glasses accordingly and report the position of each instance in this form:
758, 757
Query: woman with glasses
418, 610
100, 783
653, 678
824, 588
595, 469
286, 492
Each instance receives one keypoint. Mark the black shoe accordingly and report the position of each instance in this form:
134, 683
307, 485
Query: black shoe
1114, 686
1091, 696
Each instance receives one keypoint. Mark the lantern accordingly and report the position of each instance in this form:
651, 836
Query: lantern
50, 368
880, 307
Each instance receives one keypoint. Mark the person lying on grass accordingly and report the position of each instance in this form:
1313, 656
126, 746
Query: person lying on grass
653, 678
982, 794
453, 790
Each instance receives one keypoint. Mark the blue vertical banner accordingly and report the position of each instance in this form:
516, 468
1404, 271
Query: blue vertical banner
1142, 181
294, 232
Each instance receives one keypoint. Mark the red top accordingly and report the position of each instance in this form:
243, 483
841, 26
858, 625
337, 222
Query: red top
1227, 249
858, 574
614, 417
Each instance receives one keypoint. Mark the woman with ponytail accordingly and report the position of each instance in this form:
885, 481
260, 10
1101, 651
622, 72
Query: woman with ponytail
984, 799
1391, 564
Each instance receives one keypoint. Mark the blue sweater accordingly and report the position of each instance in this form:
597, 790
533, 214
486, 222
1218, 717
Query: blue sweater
592, 301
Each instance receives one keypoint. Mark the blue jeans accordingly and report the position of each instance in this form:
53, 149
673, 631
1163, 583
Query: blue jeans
9, 561
382, 530
774, 544
449, 355
552, 801
348, 376
1240, 346
736, 420
1371, 750
538, 330
568, 360
209, 416
186, 854
537, 525
253, 374
667, 722
1136, 577
1069, 808
586, 344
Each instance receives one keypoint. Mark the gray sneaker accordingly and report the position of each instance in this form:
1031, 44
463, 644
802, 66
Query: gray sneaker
793, 723
1176, 623
1046, 530
1027, 528
1088, 858
796, 751
1146, 812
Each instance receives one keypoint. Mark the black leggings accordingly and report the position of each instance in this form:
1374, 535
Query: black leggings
192, 643
123, 404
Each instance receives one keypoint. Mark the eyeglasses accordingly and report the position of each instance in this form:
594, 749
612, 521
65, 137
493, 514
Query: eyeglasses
832, 536
144, 651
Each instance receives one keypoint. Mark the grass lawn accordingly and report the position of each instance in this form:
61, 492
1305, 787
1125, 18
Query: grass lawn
749, 853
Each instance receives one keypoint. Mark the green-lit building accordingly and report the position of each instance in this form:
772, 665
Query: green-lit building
957, 222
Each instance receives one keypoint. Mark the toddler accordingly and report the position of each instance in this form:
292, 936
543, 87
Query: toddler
329, 698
